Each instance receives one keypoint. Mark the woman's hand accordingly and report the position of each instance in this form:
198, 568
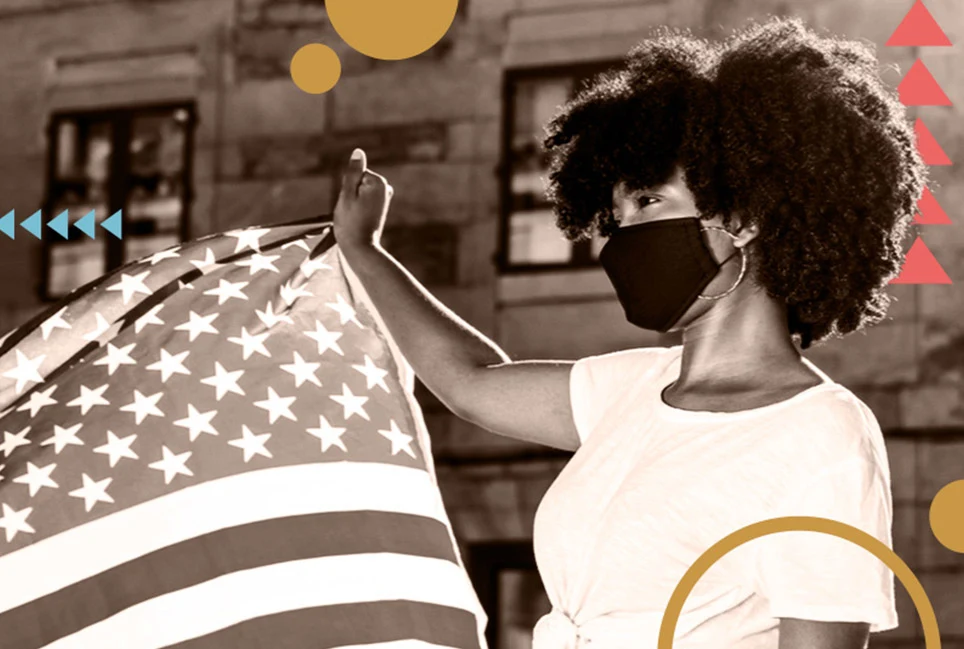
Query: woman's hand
362, 204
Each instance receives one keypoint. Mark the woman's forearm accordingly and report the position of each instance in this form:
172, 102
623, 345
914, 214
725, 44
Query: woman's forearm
444, 350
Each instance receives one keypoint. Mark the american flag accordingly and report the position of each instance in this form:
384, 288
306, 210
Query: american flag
217, 446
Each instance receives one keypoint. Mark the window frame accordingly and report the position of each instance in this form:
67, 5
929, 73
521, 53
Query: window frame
581, 73
121, 119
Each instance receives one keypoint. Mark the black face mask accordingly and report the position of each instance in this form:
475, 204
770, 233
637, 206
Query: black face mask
659, 269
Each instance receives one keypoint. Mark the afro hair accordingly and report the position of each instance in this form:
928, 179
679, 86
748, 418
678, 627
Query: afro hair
790, 130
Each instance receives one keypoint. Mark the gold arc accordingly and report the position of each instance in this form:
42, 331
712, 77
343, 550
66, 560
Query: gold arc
906, 576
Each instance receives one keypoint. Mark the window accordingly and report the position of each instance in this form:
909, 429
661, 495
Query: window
133, 160
530, 238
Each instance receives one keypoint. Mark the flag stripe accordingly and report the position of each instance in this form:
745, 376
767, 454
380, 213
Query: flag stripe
51, 564
386, 625
274, 589
207, 557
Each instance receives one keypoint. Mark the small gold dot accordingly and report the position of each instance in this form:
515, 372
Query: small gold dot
947, 516
315, 68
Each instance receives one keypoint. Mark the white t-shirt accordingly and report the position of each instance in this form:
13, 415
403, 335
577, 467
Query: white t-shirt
652, 487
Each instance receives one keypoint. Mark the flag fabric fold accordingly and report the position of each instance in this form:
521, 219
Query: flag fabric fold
218, 446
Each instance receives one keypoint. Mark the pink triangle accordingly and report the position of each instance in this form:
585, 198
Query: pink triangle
919, 88
921, 267
929, 149
929, 211
918, 29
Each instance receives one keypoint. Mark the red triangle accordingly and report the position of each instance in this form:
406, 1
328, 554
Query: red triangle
929, 211
919, 88
921, 267
918, 29
929, 149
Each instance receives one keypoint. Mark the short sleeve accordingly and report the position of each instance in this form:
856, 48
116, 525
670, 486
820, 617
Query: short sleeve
598, 383
815, 576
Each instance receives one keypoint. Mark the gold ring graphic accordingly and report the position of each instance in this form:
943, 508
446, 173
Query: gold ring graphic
906, 576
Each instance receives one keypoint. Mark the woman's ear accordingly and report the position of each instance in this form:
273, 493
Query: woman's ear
744, 234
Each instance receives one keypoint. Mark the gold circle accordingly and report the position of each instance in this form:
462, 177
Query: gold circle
315, 68
390, 30
906, 576
947, 516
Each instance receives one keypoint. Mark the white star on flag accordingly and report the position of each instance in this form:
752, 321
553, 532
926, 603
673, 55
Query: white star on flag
55, 321
89, 398
143, 406
259, 262
289, 294
14, 521
116, 357
36, 478
169, 253
328, 434
11, 441
38, 400
149, 318
117, 448
197, 422
400, 441
352, 404
170, 364
374, 375
93, 492
251, 343
302, 371
251, 444
277, 406
270, 319
172, 465
208, 264
96, 332
131, 284
63, 437
309, 266
326, 339
248, 238
227, 290
198, 325
346, 312
297, 243
26, 370
224, 381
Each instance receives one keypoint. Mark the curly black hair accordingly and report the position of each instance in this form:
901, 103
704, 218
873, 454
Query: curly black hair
791, 130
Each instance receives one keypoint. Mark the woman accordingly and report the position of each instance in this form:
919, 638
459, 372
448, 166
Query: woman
753, 192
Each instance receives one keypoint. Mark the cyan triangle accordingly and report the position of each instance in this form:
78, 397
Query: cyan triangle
32, 224
59, 224
113, 224
8, 225
86, 224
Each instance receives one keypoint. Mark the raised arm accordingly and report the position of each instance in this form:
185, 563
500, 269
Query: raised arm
468, 373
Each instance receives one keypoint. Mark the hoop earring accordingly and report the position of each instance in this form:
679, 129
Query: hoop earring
742, 269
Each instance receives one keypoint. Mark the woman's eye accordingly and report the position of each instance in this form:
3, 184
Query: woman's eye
645, 201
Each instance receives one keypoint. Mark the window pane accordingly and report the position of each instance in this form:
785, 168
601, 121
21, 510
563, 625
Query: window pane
75, 263
82, 164
522, 601
155, 204
535, 239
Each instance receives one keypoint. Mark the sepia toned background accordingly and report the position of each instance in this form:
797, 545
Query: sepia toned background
182, 114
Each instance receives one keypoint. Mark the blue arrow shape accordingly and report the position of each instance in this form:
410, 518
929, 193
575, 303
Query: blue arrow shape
113, 224
32, 224
59, 224
86, 224
7, 225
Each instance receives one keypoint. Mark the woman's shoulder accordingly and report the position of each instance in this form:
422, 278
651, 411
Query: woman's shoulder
833, 425
634, 357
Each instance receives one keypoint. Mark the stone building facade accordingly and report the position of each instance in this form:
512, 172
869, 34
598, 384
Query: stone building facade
260, 151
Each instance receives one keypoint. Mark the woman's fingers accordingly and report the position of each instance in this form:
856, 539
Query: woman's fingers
357, 168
